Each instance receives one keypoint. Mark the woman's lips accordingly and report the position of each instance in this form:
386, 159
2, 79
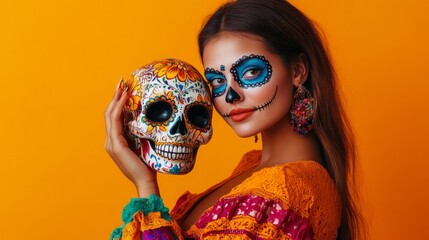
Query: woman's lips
239, 114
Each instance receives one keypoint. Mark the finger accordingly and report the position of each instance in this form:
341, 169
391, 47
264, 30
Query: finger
116, 116
117, 137
114, 100
110, 107
116, 96
120, 84
117, 109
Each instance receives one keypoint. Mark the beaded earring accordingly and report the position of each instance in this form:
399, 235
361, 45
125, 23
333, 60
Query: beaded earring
301, 112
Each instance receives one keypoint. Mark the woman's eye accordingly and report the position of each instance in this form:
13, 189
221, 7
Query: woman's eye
216, 83
252, 73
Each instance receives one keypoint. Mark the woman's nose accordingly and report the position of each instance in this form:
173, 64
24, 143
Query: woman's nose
232, 95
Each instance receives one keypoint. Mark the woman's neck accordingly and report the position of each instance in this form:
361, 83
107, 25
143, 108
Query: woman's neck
281, 145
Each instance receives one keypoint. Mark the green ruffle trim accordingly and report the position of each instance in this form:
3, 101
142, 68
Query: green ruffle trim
146, 205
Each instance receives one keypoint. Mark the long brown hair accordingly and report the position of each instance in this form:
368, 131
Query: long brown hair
288, 33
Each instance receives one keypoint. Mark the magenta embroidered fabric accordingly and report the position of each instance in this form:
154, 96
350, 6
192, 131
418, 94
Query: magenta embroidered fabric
263, 211
180, 201
159, 233
231, 232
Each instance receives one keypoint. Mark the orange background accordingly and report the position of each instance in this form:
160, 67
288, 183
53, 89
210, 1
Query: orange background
60, 62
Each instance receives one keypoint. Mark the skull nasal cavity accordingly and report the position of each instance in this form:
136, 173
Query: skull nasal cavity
179, 127
231, 96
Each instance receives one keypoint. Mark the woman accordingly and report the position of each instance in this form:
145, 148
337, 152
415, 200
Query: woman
270, 74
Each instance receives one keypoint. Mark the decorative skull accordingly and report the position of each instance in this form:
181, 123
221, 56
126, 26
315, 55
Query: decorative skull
168, 115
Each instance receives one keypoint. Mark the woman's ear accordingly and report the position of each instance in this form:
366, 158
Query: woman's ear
299, 70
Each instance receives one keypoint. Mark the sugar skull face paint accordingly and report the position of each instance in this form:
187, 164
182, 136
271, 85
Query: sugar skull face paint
168, 115
251, 71
262, 83
217, 80
248, 71
236, 115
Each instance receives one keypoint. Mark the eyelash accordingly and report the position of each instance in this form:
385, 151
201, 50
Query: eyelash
257, 69
217, 79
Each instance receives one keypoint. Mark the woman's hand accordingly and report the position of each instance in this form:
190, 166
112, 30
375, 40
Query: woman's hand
117, 147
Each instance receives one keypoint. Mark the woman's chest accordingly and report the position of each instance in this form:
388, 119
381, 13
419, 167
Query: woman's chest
210, 200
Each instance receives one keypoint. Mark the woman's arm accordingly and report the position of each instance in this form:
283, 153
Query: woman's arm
116, 145
144, 217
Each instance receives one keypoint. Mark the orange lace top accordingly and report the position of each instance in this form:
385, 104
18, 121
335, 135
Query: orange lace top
296, 200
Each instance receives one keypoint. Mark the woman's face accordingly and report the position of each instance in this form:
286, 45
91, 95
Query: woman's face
252, 87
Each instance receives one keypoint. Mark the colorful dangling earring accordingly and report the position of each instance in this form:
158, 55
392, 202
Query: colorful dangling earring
301, 112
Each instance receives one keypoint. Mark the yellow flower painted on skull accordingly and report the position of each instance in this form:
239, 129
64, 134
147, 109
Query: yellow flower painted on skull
172, 68
133, 88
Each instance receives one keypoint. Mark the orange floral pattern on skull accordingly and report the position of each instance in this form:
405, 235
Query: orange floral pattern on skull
134, 91
175, 69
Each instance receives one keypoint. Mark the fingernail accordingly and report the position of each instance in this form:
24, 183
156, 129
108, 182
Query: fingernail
120, 84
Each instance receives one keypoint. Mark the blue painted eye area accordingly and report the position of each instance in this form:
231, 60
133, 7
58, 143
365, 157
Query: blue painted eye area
251, 71
217, 80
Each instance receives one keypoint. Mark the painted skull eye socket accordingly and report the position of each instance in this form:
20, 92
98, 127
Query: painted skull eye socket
159, 111
199, 116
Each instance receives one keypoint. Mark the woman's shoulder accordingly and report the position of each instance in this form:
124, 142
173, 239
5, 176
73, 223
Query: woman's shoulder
299, 174
302, 187
301, 179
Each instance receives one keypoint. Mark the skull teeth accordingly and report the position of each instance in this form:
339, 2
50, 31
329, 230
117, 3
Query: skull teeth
174, 152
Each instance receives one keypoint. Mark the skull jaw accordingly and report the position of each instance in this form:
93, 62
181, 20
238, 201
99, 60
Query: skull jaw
167, 159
